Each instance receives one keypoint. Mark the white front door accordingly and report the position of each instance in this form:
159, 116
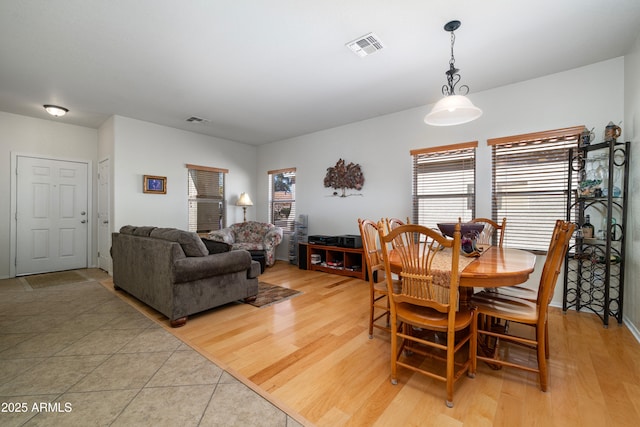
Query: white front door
104, 235
51, 215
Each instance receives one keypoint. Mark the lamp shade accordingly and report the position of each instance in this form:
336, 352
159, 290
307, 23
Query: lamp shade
452, 110
244, 200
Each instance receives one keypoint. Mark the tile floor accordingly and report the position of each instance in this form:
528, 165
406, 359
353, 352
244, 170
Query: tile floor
76, 355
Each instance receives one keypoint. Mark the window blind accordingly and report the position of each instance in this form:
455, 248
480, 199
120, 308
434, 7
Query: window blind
206, 198
444, 184
282, 198
530, 184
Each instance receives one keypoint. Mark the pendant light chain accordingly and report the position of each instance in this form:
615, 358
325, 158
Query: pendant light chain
453, 76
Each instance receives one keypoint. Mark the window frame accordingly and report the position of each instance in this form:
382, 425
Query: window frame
539, 164
432, 159
197, 199
288, 224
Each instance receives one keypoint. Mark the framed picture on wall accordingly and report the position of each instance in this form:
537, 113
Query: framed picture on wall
155, 184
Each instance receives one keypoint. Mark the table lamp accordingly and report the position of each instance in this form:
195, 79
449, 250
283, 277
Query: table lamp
244, 200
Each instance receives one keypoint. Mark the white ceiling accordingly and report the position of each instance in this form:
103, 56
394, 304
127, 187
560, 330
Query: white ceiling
266, 70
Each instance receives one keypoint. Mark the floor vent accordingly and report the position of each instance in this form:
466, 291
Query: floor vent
365, 45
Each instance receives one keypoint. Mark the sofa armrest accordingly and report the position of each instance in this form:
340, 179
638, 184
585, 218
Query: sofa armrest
190, 269
223, 235
273, 237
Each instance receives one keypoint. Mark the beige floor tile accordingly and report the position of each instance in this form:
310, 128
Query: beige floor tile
24, 411
236, 405
186, 368
105, 341
52, 375
123, 371
167, 406
43, 345
152, 340
99, 408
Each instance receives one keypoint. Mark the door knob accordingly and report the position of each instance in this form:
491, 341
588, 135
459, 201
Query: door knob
105, 222
83, 213
83, 221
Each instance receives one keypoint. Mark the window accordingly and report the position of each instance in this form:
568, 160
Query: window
282, 198
530, 177
206, 198
444, 184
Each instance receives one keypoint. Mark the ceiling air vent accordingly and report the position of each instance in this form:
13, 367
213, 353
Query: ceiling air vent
365, 45
194, 119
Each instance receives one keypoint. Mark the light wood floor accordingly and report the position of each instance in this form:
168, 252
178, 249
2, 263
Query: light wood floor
312, 355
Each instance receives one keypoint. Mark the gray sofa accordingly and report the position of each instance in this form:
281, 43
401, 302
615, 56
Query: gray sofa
174, 272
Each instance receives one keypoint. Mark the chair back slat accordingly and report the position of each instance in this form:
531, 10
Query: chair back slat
486, 236
424, 283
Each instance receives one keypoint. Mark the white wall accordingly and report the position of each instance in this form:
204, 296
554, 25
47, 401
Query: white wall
590, 96
631, 129
29, 136
141, 148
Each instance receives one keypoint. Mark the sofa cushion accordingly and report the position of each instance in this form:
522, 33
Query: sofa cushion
215, 247
191, 269
191, 243
128, 229
143, 231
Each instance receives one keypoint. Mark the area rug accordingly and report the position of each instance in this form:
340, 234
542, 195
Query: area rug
38, 281
272, 294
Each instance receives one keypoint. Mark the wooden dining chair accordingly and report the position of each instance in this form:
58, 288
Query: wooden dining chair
378, 301
487, 237
490, 228
428, 301
518, 310
518, 291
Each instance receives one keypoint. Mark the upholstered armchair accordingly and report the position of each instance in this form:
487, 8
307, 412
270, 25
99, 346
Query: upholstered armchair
252, 236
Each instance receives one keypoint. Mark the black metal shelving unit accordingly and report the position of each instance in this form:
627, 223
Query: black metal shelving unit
594, 267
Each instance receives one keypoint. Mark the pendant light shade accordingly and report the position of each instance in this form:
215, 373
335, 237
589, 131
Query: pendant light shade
453, 109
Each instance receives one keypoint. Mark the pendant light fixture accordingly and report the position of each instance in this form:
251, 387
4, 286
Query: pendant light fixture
453, 109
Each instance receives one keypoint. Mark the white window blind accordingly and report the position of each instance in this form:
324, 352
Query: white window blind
206, 198
530, 178
444, 184
282, 198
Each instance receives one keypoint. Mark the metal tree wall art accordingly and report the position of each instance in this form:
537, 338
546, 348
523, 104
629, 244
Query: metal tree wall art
343, 176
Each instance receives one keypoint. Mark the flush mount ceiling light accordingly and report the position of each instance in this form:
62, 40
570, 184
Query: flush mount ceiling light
453, 109
55, 110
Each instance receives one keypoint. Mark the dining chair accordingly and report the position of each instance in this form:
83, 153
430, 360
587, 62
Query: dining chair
428, 301
518, 291
518, 310
486, 237
378, 301
490, 228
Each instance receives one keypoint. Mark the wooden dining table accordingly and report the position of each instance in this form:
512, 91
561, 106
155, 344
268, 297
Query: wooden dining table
494, 267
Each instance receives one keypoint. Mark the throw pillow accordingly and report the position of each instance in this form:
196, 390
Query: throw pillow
191, 243
216, 247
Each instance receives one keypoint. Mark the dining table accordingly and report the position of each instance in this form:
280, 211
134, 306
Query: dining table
495, 266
